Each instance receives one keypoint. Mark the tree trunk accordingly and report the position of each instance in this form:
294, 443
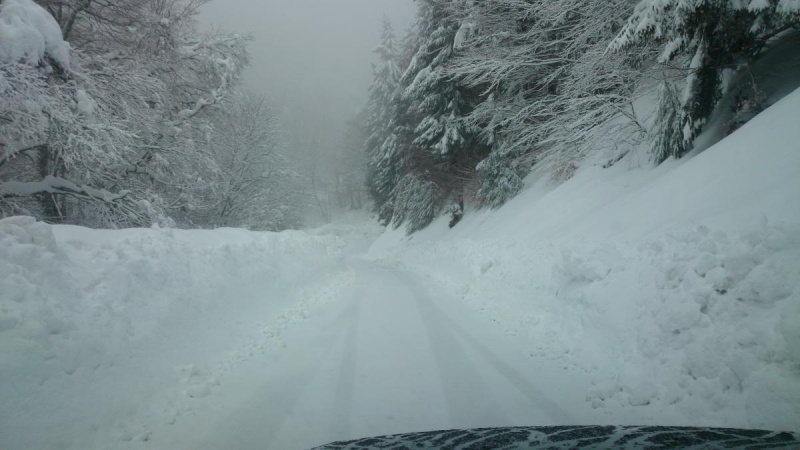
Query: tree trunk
52, 206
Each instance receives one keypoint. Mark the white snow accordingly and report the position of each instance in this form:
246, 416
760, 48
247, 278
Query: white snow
462, 34
84, 103
622, 296
669, 50
421, 77
28, 33
53, 184
758, 5
789, 6
676, 289
104, 334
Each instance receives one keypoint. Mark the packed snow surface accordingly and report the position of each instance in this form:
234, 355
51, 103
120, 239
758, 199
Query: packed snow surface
627, 295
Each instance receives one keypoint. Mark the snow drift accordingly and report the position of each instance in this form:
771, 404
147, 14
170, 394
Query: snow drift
96, 324
677, 288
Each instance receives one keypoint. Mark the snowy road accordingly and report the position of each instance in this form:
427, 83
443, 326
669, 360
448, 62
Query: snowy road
390, 356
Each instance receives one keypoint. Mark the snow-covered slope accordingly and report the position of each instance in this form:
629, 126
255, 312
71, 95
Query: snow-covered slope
677, 288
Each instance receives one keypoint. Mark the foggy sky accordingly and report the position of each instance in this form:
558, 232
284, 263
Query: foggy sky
311, 54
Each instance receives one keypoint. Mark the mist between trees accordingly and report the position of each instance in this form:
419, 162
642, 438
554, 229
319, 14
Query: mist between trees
124, 113
481, 93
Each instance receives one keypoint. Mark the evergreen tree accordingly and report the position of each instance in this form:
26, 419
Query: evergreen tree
415, 203
550, 82
501, 178
381, 147
666, 134
705, 37
439, 144
493, 89
437, 97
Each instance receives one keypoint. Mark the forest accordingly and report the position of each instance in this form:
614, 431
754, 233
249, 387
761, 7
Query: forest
127, 113
136, 117
479, 94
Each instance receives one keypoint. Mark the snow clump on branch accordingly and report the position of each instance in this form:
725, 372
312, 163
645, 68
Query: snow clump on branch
28, 33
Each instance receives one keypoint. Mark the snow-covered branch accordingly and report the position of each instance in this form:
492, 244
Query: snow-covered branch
133, 110
55, 185
121, 201
9, 155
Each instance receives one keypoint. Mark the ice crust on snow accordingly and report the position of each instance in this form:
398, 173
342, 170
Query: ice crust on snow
28, 33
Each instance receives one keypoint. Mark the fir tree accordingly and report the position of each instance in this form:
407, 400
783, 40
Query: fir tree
501, 178
415, 203
705, 37
439, 144
381, 146
666, 134
549, 81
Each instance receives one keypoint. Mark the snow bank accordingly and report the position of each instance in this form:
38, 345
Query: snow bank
28, 33
677, 288
358, 232
99, 322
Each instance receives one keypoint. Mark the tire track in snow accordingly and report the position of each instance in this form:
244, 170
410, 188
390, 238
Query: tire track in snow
387, 357
459, 380
448, 339
287, 360
342, 410
296, 382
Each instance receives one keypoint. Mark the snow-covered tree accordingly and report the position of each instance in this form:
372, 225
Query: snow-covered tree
50, 124
415, 203
666, 135
704, 38
386, 72
428, 140
253, 185
551, 84
121, 109
495, 89
352, 164
437, 98
501, 178
383, 153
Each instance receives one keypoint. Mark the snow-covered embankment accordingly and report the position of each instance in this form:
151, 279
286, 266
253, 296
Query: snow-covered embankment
677, 288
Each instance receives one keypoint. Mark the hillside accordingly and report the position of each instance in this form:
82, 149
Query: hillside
677, 288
